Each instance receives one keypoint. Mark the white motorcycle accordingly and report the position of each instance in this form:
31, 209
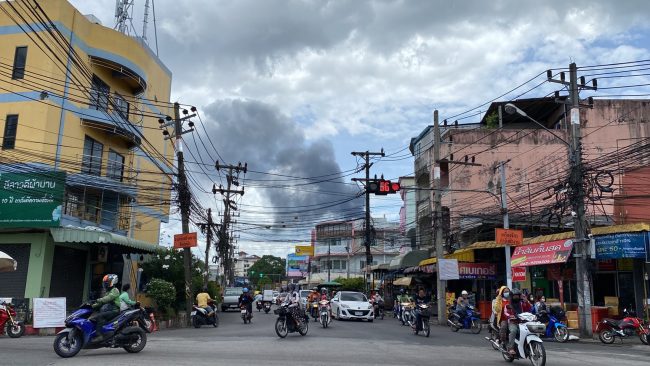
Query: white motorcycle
528, 344
324, 318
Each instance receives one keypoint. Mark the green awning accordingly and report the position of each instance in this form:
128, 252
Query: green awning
75, 235
410, 259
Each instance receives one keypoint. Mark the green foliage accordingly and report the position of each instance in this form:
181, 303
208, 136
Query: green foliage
168, 265
492, 120
352, 284
272, 268
162, 292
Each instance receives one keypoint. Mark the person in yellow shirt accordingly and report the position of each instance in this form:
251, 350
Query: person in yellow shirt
202, 300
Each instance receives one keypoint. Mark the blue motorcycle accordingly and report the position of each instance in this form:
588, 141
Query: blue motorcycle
471, 320
127, 330
554, 328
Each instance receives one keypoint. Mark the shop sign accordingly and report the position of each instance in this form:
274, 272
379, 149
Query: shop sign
519, 274
622, 245
448, 269
305, 250
509, 236
483, 271
31, 199
607, 265
543, 253
185, 240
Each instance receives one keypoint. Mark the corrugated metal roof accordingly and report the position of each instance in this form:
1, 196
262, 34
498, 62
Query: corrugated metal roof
77, 235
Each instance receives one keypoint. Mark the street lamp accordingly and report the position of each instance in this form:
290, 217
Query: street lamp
513, 109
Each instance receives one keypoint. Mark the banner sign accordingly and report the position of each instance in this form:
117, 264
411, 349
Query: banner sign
623, 245
305, 250
509, 236
185, 240
482, 271
31, 199
543, 253
297, 266
448, 269
518, 274
49, 312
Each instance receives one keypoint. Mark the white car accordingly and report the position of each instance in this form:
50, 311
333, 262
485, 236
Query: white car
352, 305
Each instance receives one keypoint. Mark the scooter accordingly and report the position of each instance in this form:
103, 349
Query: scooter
425, 315
14, 328
81, 332
629, 326
201, 316
325, 319
258, 304
313, 310
378, 307
471, 321
267, 306
407, 313
245, 314
285, 323
528, 344
554, 328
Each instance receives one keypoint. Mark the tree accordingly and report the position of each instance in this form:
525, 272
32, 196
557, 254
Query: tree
268, 266
492, 120
352, 284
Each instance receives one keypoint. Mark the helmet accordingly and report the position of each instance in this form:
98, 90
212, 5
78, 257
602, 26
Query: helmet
110, 280
315, 289
464, 293
401, 291
324, 291
245, 290
515, 291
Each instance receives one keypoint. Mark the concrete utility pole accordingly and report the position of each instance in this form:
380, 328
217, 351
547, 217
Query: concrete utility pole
366, 156
208, 229
437, 220
576, 181
225, 247
506, 221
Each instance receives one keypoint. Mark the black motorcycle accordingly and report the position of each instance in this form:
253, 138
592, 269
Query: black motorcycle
267, 306
258, 305
286, 323
201, 316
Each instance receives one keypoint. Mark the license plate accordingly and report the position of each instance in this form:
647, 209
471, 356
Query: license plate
358, 313
193, 313
243, 311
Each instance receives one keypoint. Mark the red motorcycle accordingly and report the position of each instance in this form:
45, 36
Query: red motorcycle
14, 328
629, 326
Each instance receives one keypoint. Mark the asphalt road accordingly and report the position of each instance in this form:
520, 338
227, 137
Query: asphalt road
383, 342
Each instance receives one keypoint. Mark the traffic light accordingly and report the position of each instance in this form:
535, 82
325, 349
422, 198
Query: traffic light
382, 187
261, 275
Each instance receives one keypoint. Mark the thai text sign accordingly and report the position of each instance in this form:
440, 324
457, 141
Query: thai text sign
305, 250
518, 274
623, 245
185, 240
49, 312
483, 271
509, 236
542, 253
31, 199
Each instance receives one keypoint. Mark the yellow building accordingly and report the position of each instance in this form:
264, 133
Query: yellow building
85, 174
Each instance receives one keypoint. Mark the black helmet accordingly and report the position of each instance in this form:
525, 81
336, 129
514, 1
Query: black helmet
515, 291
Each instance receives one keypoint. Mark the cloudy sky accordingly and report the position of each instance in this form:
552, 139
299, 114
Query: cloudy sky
292, 87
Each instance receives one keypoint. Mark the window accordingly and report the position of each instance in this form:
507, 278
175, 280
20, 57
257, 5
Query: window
99, 94
336, 264
92, 158
20, 58
115, 166
9, 137
121, 106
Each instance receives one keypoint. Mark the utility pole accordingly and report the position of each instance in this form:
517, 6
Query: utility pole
437, 220
506, 222
208, 230
225, 248
366, 156
184, 196
329, 261
576, 182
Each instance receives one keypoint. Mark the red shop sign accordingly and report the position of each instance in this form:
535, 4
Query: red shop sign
543, 253
518, 274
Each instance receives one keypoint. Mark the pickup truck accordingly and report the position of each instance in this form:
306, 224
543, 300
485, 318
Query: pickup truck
231, 298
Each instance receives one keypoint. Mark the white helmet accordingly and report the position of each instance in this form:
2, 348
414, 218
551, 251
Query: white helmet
464, 293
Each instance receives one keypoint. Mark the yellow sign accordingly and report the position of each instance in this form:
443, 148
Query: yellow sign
305, 250
451, 297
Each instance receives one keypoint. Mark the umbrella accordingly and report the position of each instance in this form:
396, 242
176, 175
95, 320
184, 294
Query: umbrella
7, 264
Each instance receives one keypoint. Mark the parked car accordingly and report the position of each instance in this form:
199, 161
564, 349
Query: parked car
352, 305
231, 298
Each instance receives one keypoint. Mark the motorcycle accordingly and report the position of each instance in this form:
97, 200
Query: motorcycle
325, 319
285, 323
378, 308
425, 315
267, 306
554, 327
259, 305
407, 313
629, 326
527, 344
81, 332
471, 320
313, 311
201, 316
8, 322
245, 314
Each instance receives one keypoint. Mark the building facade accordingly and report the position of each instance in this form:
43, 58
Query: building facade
407, 218
243, 263
82, 155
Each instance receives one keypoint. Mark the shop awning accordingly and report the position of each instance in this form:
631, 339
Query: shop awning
380, 267
410, 259
404, 281
463, 255
76, 235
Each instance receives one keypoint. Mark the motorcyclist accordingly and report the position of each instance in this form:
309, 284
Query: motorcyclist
125, 301
313, 298
323, 294
109, 305
402, 298
245, 299
202, 300
540, 305
461, 306
293, 300
516, 306
498, 306
420, 299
